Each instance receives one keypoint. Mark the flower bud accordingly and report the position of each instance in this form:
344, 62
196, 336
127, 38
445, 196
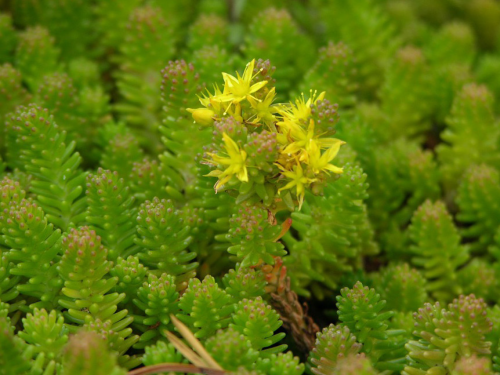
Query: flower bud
202, 116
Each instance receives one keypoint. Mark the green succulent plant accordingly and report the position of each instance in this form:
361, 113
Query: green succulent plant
294, 187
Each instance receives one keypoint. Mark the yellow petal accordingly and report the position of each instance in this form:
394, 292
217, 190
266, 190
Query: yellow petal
289, 174
270, 96
313, 149
334, 169
290, 185
328, 142
257, 86
220, 160
282, 139
223, 98
293, 148
310, 128
231, 146
300, 189
243, 175
280, 167
330, 154
220, 184
253, 102
248, 73
229, 79
214, 173
300, 198
320, 97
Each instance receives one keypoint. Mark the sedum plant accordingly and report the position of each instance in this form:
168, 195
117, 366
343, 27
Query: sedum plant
333, 344
268, 34
335, 72
12, 91
447, 335
405, 97
87, 354
249, 187
362, 311
34, 249
58, 182
157, 298
471, 118
325, 248
229, 159
162, 231
83, 268
403, 288
232, 349
138, 78
36, 55
431, 229
46, 335
111, 213
478, 188
202, 297
257, 321
9, 37
368, 31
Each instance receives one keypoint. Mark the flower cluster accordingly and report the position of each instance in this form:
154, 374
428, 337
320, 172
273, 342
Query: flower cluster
263, 149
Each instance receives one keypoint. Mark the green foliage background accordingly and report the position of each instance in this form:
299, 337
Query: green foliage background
109, 225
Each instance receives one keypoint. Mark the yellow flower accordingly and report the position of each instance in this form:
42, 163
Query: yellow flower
239, 88
209, 101
263, 108
301, 110
299, 139
206, 99
235, 162
298, 180
319, 163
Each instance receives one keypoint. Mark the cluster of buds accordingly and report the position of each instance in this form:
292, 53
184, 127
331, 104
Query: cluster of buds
262, 149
